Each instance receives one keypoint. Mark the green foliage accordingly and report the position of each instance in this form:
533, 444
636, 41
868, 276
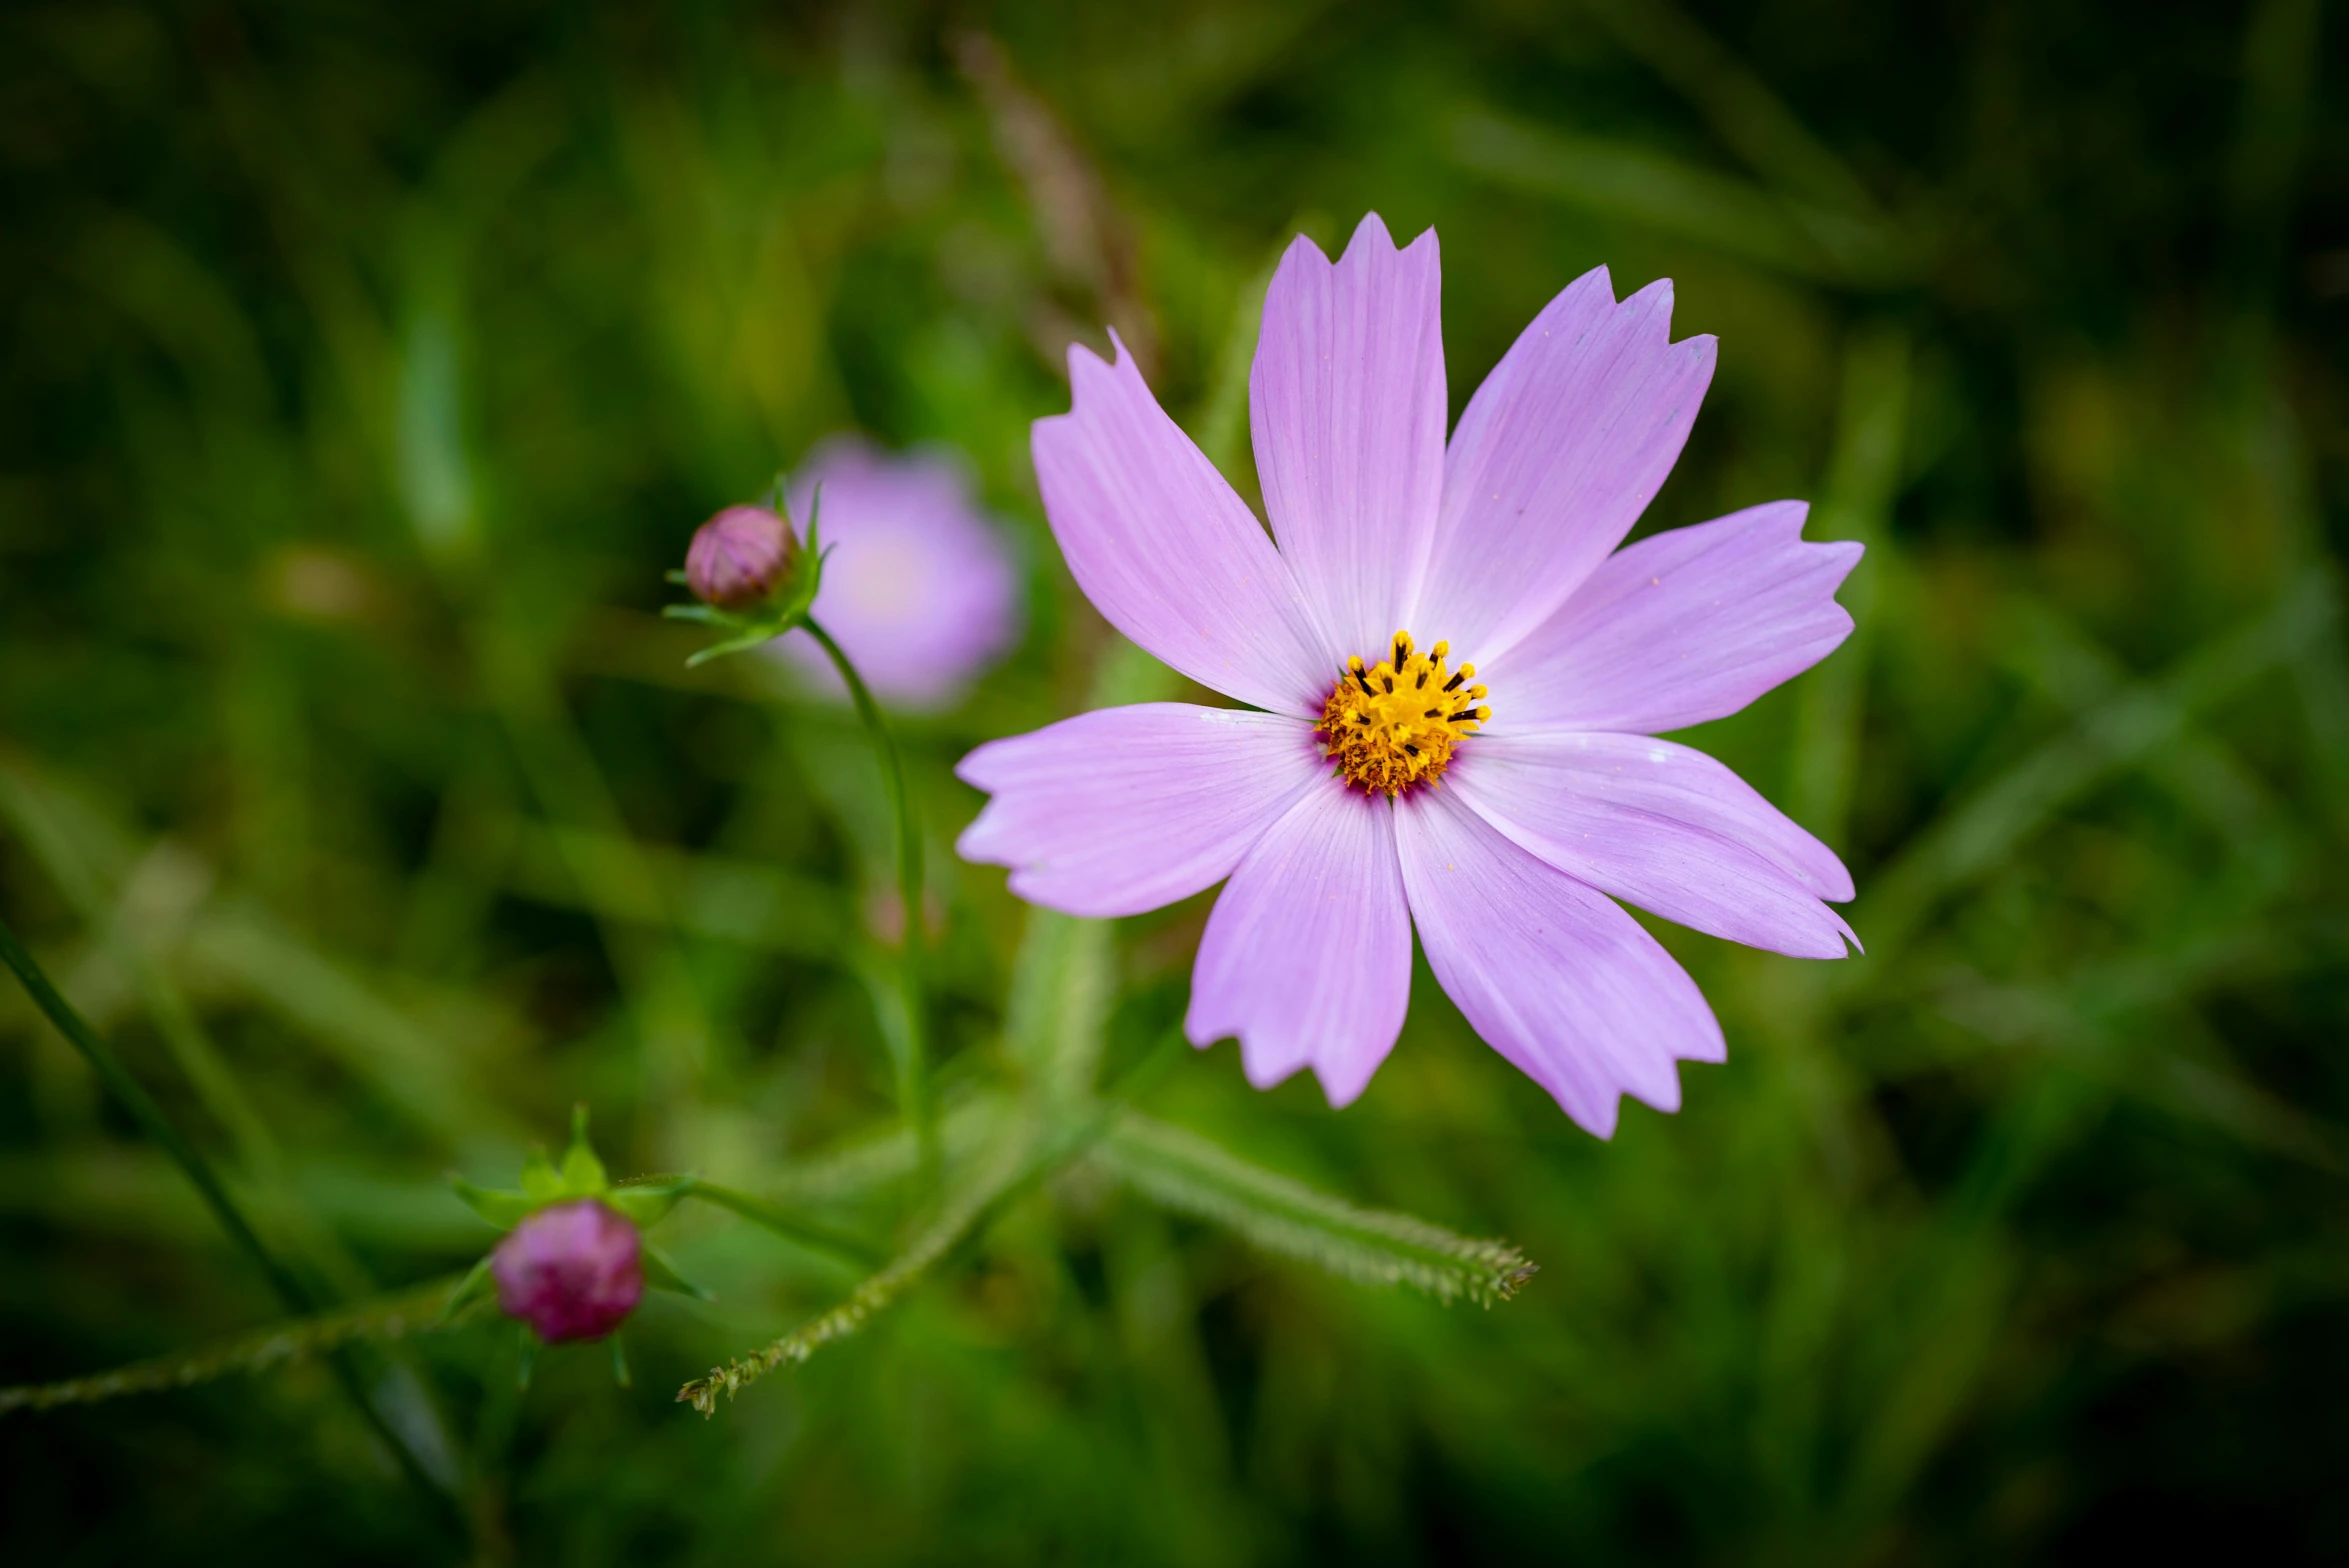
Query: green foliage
1190, 1175
366, 368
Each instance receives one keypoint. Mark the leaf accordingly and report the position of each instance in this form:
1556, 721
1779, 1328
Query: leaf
661, 1274
1667, 195
540, 1180
423, 1069
474, 1286
1984, 829
583, 1173
647, 1203
505, 1210
1184, 1172
1061, 989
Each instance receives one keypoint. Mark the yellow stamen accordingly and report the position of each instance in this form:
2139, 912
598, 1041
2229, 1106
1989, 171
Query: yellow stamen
1392, 725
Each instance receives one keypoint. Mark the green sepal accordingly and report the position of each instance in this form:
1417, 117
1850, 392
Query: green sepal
646, 1204
661, 1274
620, 1363
474, 1286
526, 1361
583, 1173
541, 1182
505, 1210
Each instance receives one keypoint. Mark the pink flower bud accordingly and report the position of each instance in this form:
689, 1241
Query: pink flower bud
740, 557
573, 1271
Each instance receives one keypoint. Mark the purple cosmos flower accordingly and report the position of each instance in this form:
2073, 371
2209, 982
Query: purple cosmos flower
918, 587
570, 1271
1499, 805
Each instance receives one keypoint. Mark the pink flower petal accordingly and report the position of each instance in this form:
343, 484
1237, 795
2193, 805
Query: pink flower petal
1124, 809
1663, 827
1307, 956
1550, 973
1556, 456
1347, 405
1682, 627
1167, 551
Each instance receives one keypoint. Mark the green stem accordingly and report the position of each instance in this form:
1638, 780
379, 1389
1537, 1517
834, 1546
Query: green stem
134, 1099
911, 1055
812, 1234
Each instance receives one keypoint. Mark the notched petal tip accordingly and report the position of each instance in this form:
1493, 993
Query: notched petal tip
1374, 238
1853, 937
1342, 1086
1599, 1121
1665, 1098
1084, 364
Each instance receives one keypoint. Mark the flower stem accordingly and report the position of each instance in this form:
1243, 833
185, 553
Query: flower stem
812, 1234
152, 1121
909, 1045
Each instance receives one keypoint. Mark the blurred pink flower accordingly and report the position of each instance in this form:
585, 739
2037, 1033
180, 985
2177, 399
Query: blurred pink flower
918, 585
570, 1271
1501, 818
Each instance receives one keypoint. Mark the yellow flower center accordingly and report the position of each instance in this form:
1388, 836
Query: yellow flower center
1393, 724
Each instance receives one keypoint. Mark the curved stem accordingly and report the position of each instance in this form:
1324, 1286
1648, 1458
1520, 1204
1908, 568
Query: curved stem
134, 1099
814, 1235
909, 1041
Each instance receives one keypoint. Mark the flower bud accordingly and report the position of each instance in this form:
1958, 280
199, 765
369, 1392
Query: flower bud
572, 1271
740, 558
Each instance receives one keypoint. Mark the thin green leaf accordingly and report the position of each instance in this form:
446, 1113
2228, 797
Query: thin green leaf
1656, 191
583, 1173
1061, 989
646, 1203
2142, 719
661, 1274
1184, 1172
541, 1182
505, 1210
474, 1286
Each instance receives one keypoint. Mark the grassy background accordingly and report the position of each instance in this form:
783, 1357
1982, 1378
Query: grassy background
366, 365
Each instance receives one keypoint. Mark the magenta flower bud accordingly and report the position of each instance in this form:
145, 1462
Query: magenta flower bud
740, 558
572, 1271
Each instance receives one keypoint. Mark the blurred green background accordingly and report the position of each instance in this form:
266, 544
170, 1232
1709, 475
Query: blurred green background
367, 365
